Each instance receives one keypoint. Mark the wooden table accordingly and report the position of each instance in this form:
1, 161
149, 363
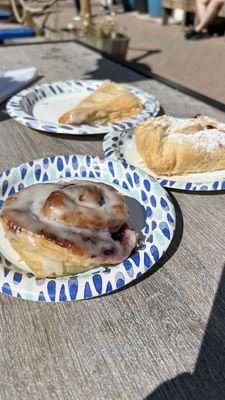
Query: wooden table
161, 338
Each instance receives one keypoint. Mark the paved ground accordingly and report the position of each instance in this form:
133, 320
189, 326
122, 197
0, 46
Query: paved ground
163, 50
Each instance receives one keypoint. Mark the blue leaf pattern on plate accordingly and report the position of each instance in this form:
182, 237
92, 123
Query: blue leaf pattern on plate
158, 229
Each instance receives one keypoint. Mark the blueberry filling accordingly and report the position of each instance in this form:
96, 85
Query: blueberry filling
196, 116
109, 252
118, 234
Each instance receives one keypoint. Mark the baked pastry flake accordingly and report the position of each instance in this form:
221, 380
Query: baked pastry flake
172, 146
109, 103
66, 228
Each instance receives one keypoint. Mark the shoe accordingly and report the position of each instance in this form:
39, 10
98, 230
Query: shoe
104, 7
77, 17
189, 34
192, 35
216, 30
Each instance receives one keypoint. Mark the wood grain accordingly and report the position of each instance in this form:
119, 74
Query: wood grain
161, 338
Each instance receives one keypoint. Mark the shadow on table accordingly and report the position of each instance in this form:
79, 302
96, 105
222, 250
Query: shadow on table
207, 382
8, 84
140, 66
146, 53
80, 138
198, 193
171, 249
103, 71
161, 111
3, 114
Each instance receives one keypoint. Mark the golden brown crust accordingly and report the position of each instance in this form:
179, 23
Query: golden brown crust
166, 152
110, 102
68, 262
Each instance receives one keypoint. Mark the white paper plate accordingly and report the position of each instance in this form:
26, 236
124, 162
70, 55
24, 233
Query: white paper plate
41, 106
122, 147
152, 216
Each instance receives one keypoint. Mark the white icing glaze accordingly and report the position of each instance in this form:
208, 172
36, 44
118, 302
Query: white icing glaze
52, 265
24, 212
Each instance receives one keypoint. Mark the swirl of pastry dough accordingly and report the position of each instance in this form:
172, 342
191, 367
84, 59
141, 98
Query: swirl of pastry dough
87, 205
79, 224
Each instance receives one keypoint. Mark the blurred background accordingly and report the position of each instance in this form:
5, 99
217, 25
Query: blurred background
161, 38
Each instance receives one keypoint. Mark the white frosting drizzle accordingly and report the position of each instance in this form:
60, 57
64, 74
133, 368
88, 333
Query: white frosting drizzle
25, 213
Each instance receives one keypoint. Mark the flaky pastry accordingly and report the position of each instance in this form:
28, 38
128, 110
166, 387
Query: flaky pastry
172, 146
110, 102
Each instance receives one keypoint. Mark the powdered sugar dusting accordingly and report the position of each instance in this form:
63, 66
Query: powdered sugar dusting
176, 123
173, 124
181, 124
208, 139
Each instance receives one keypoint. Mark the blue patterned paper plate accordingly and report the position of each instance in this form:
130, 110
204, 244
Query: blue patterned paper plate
157, 230
121, 146
41, 106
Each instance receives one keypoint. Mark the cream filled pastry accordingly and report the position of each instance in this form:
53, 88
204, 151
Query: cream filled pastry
110, 102
173, 146
65, 228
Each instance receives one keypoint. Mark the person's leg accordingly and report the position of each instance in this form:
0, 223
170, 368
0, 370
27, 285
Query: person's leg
200, 13
209, 14
77, 5
201, 8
